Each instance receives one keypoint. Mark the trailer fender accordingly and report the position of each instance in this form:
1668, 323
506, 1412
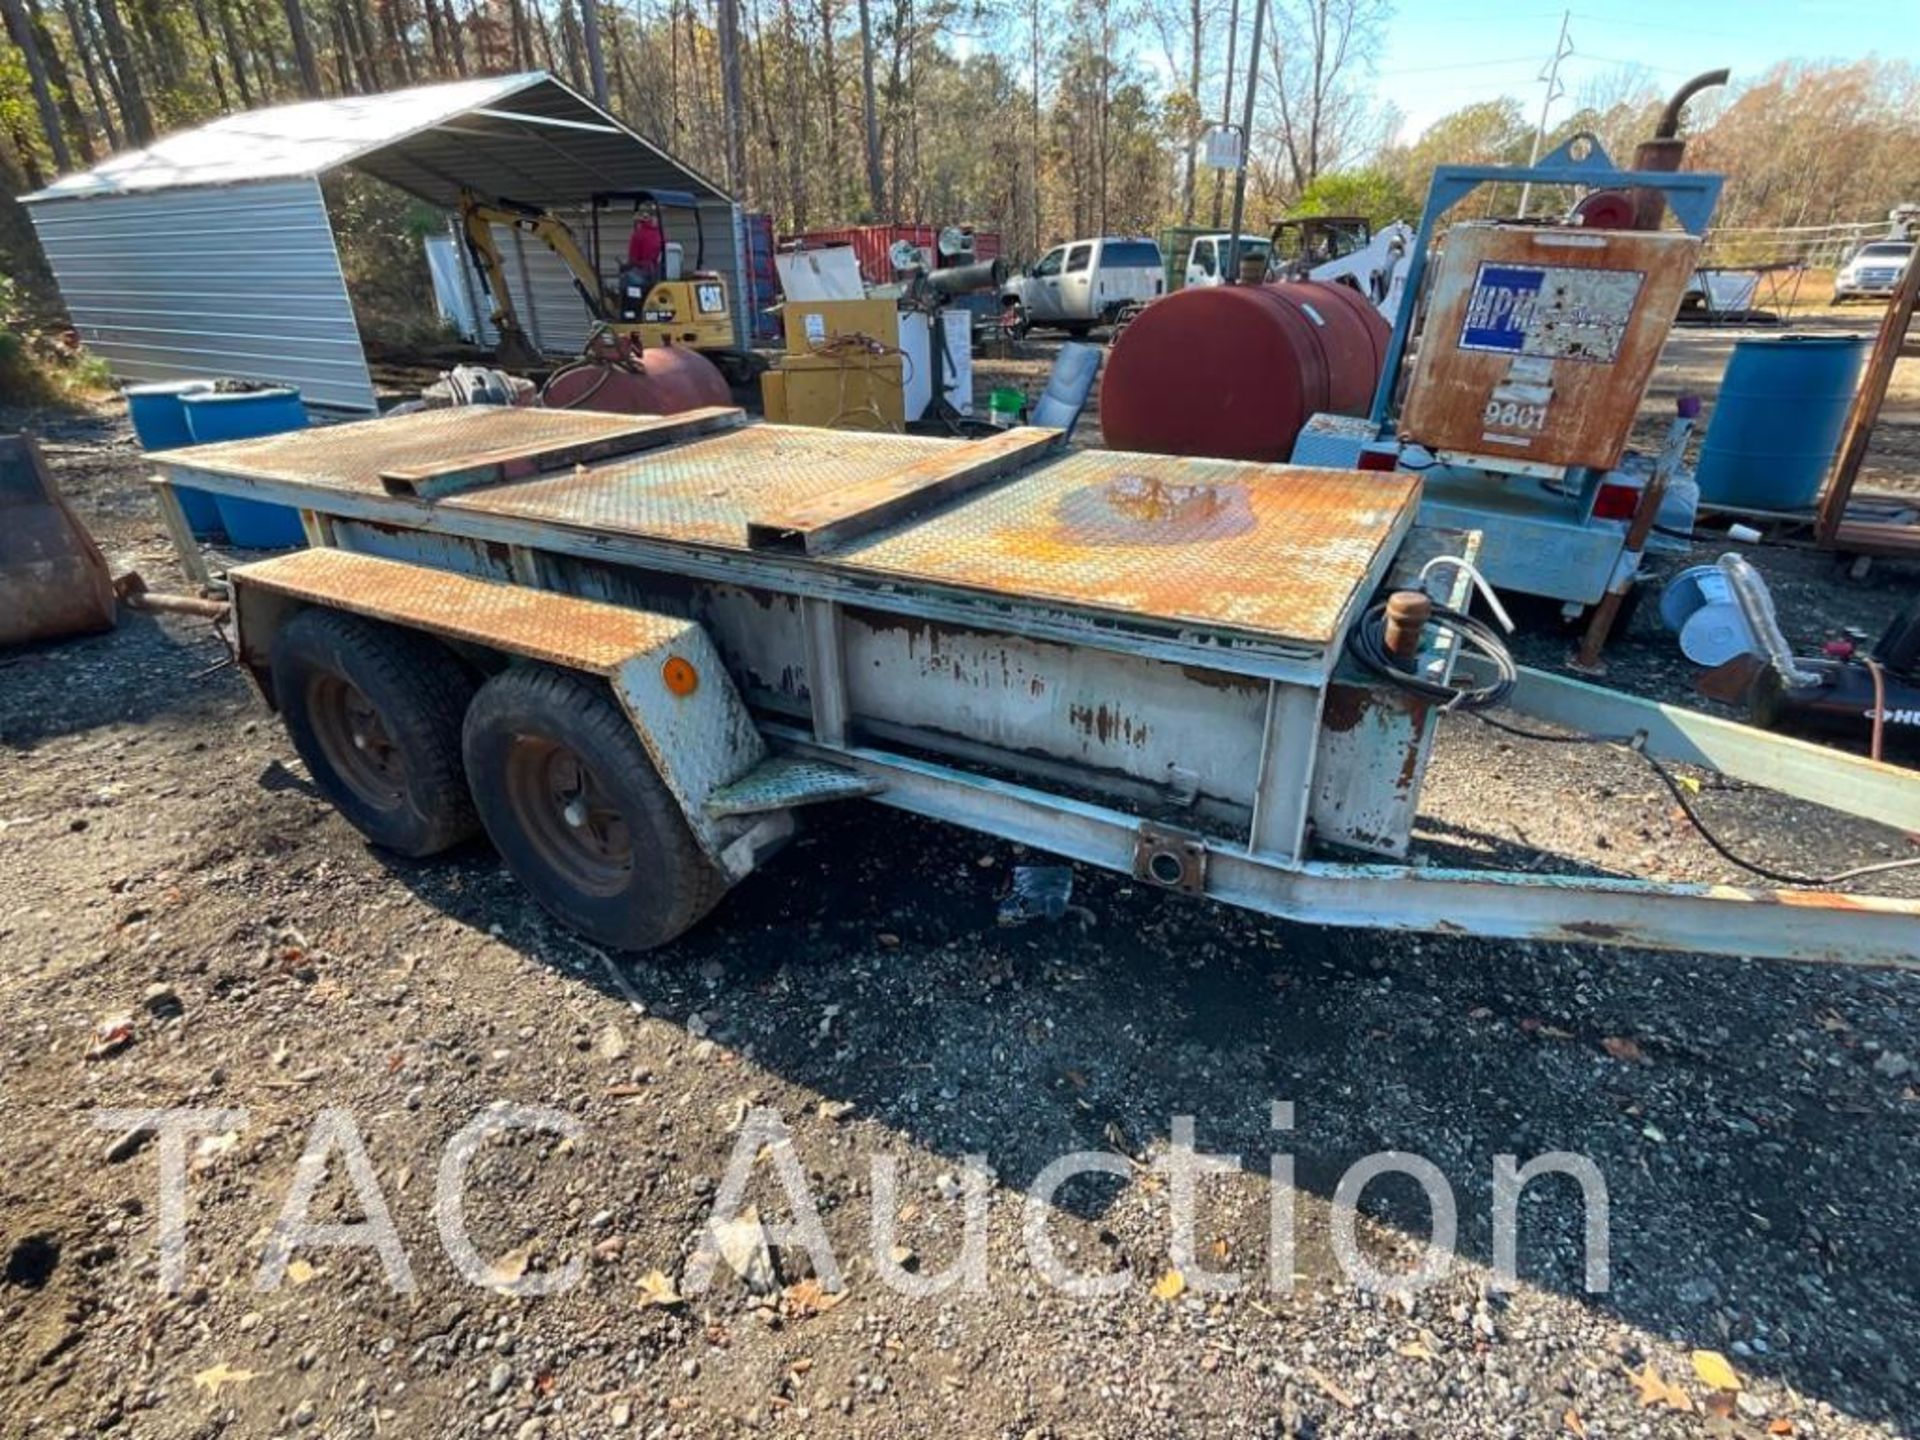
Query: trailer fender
664, 669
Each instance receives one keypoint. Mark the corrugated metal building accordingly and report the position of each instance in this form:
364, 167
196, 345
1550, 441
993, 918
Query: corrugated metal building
211, 252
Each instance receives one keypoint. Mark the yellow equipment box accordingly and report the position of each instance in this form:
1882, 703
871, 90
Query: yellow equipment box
812, 323
849, 391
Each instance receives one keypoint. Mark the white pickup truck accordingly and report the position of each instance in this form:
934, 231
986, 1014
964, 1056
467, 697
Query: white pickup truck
1084, 283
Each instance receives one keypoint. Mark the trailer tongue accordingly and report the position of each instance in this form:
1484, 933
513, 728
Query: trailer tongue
646, 644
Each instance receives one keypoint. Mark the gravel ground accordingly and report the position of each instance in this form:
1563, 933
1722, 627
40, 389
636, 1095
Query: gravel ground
164, 857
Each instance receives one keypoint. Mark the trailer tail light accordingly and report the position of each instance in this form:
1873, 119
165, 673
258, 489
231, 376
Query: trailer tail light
1616, 501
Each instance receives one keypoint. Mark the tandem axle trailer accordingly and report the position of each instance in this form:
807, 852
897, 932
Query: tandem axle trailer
634, 649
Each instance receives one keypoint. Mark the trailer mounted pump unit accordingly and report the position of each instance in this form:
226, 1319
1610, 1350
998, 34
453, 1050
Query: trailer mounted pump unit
1539, 343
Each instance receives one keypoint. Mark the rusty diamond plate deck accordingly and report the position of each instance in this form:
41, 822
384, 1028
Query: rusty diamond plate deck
1269, 551
351, 457
703, 492
1262, 548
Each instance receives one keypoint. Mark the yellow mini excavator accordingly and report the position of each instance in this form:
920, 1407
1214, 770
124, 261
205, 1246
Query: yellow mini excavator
693, 310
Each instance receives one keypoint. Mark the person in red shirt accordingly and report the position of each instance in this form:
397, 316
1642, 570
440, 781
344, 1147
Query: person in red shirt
647, 247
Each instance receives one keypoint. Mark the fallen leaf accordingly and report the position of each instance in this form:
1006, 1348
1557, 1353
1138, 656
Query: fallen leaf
1621, 1048
742, 1243
657, 1290
1782, 1426
218, 1377
1335, 1392
112, 1035
1532, 1025
1720, 1403
1688, 781
300, 1271
510, 1267
1414, 1350
1574, 1423
1714, 1371
808, 1298
1170, 1286
1655, 1390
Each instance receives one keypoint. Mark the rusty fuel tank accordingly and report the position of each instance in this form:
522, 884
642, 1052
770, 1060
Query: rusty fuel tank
54, 581
1234, 371
618, 375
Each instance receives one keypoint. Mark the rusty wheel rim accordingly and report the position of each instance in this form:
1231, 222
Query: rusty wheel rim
355, 741
572, 822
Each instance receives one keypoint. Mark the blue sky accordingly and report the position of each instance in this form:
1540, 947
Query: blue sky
1442, 54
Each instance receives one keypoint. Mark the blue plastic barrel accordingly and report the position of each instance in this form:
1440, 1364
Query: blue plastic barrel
244, 415
160, 423
1783, 403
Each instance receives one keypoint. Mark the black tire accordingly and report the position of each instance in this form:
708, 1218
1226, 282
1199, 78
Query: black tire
375, 713
1079, 330
569, 797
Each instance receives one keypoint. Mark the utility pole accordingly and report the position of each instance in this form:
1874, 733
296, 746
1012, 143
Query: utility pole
1226, 102
1232, 275
1034, 118
1550, 76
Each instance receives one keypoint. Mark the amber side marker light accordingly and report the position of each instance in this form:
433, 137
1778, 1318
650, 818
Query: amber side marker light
680, 676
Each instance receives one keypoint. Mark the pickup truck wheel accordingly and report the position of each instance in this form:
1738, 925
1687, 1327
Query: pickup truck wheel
570, 798
375, 713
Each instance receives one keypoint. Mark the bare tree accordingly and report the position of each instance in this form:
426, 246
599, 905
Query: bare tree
596, 62
302, 46
21, 33
732, 104
876, 176
85, 44
1319, 52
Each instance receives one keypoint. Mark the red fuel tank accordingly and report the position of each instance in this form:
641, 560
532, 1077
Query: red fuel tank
1236, 370
660, 380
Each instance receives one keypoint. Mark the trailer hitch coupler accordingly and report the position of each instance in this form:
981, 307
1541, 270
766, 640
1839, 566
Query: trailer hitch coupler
1408, 612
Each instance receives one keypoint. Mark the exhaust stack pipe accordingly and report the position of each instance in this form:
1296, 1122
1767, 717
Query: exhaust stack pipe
1665, 150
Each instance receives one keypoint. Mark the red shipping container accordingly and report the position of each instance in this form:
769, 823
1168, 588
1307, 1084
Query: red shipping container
872, 242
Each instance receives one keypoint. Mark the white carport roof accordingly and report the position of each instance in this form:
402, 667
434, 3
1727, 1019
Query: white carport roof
211, 253
527, 137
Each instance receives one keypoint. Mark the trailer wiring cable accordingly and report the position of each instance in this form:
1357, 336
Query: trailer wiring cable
1667, 778
1367, 642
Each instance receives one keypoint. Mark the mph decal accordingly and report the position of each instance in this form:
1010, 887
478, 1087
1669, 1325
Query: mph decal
1551, 312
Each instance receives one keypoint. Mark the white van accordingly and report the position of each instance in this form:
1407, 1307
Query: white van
1084, 283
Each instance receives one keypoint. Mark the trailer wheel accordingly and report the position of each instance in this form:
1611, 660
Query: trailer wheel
571, 800
375, 713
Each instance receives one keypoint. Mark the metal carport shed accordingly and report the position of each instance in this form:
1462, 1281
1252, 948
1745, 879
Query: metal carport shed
211, 253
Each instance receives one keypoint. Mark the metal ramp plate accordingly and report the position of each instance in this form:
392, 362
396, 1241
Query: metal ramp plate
784, 781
